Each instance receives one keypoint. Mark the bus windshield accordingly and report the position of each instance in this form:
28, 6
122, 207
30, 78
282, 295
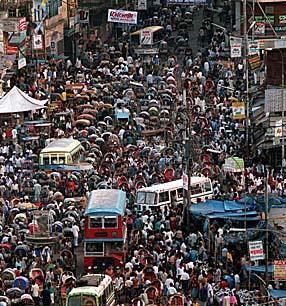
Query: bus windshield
74, 300
85, 300
146, 197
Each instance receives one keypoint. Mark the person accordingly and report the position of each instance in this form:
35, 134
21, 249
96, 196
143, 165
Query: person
35, 292
75, 231
46, 296
203, 293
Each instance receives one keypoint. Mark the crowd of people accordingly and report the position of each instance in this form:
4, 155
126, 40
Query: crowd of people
130, 113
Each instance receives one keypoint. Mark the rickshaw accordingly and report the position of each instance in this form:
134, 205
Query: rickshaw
21, 250
8, 276
149, 274
68, 259
27, 299
67, 283
176, 300
152, 294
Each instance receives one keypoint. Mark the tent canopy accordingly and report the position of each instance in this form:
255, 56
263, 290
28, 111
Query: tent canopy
16, 101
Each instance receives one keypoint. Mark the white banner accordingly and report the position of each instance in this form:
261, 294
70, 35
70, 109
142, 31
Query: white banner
146, 37
142, 5
235, 46
37, 42
256, 251
278, 128
122, 16
22, 63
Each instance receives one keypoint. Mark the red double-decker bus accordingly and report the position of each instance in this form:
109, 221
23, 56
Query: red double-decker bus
104, 230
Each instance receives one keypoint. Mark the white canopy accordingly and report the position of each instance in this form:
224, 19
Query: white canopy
16, 101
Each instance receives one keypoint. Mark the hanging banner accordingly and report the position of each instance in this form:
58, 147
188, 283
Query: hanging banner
279, 270
146, 37
278, 132
142, 5
37, 42
238, 110
256, 251
119, 16
253, 48
259, 28
235, 46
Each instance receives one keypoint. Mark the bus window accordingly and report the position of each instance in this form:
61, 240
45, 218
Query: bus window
46, 160
95, 222
180, 193
173, 195
94, 248
150, 198
164, 196
196, 190
141, 197
74, 300
208, 186
54, 159
110, 222
88, 300
61, 159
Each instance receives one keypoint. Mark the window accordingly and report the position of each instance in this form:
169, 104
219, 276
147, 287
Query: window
196, 189
173, 195
110, 222
74, 300
94, 248
150, 198
140, 197
88, 300
208, 186
54, 160
180, 193
95, 222
61, 159
46, 160
164, 196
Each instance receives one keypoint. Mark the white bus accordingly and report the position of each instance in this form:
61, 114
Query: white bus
161, 195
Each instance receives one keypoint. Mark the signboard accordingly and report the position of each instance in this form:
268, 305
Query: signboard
234, 164
274, 100
119, 16
142, 5
256, 251
54, 48
9, 25
185, 181
83, 16
259, 28
282, 19
149, 51
238, 110
146, 37
235, 46
279, 270
253, 48
254, 62
278, 132
37, 42
186, 2
22, 63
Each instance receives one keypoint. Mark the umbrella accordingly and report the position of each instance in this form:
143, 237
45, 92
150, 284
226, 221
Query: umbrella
153, 111
99, 141
26, 297
82, 122
85, 116
13, 293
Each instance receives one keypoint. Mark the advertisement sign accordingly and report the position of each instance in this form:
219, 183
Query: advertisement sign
122, 16
149, 51
259, 28
235, 46
83, 16
146, 37
9, 25
198, 2
16, 38
238, 110
37, 42
22, 63
185, 181
253, 48
234, 164
142, 5
278, 132
279, 270
254, 62
256, 251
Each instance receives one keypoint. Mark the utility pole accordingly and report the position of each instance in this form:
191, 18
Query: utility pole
266, 195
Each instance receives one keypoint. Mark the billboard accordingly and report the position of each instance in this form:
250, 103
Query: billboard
120, 16
235, 46
256, 251
279, 270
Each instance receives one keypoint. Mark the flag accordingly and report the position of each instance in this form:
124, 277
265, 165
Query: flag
22, 26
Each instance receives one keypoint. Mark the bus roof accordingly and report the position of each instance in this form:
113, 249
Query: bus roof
153, 29
106, 202
63, 145
194, 180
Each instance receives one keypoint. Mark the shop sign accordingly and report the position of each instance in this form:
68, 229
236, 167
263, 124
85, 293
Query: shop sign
256, 251
235, 46
9, 25
146, 37
149, 51
259, 28
253, 48
37, 42
279, 270
119, 16
282, 18
270, 18
83, 16
142, 5
198, 2
238, 110
278, 132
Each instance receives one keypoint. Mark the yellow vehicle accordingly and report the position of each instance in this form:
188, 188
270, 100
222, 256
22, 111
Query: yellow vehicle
148, 36
60, 152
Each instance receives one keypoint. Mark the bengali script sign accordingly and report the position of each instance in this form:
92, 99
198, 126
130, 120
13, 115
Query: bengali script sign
122, 16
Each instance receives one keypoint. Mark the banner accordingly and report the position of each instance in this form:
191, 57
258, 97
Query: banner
146, 37
22, 24
37, 42
253, 48
235, 46
279, 270
83, 16
22, 57
142, 5
278, 132
186, 2
238, 110
234, 164
122, 16
259, 28
256, 251
16, 38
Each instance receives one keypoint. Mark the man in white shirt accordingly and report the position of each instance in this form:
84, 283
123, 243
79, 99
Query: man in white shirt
171, 290
75, 231
35, 291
